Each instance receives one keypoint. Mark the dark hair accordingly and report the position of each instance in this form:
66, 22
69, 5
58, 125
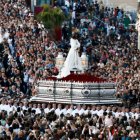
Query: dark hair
11, 129
33, 111
71, 134
18, 109
105, 113
74, 35
29, 110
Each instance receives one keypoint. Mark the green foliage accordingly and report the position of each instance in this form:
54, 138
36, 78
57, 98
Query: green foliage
51, 17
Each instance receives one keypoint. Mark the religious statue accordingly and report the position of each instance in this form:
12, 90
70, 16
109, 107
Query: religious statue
73, 60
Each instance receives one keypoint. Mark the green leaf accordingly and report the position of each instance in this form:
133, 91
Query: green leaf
51, 17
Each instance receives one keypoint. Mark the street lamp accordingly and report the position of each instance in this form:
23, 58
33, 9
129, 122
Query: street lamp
59, 63
84, 61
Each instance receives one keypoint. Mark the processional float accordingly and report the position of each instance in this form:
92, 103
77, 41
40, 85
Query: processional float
77, 88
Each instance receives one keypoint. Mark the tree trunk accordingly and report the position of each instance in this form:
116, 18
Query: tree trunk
58, 33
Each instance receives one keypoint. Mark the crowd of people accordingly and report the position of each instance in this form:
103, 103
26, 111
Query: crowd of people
28, 52
31, 121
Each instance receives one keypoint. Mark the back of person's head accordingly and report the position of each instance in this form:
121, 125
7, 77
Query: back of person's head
70, 134
82, 137
74, 35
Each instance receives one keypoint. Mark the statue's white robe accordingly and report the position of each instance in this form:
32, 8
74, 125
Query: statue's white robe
73, 61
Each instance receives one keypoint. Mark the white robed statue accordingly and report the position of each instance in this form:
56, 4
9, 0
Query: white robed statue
73, 61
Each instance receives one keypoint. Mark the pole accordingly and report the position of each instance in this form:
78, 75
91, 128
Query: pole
138, 14
32, 6
71, 91
99, 94
139, 40
54, 89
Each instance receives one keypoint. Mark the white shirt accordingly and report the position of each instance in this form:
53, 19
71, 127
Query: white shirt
20, 113
74, 6
38, 111
127, 115
122, 113
21, 59
137, 115
1, 38
95, 130
7, 126
75, 112
25, 108
14, 108
46, 110
117, 114
33, 108
1, 107
8, 108
58, 111
53, 109
112, 27
86, 111
6, 35
100, 113
64, 111
16, 130
81, 111
4, 107
11, 109
69, 111
132, 115
108, 111
10, 41
73, 15
93, 112
101, 65
26, 77
108, 121
67, 3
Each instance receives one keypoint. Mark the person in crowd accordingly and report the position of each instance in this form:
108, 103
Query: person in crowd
34, 124
28, 52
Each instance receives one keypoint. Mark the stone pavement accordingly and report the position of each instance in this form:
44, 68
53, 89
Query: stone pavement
128, 5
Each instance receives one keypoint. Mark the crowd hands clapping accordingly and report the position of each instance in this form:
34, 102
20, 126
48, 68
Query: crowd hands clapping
28, 52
